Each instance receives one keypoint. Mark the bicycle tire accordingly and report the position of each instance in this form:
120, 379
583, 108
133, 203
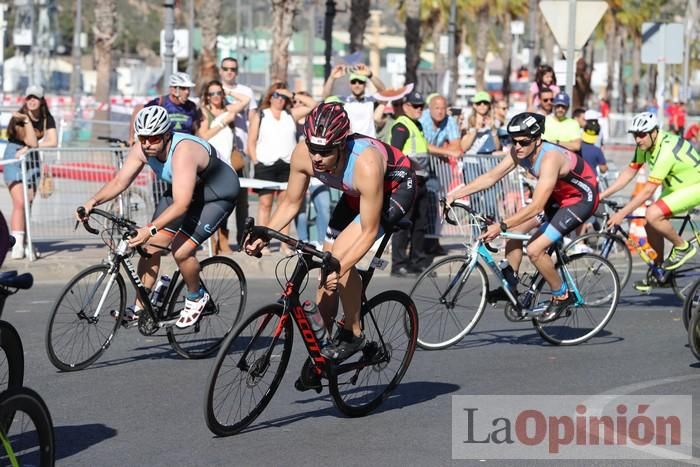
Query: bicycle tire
694, 335
226, 284
587, 270
618, 253
691, 303
391, 348
26, 429
436, 317
72, 319
12, 360
227, 381
683, 278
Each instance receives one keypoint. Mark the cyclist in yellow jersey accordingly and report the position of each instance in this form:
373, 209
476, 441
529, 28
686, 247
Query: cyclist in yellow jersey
674, 164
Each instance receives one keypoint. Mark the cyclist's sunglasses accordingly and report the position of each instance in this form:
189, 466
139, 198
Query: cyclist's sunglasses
323, 152
152, 139
640, 134
523, 142
229, 68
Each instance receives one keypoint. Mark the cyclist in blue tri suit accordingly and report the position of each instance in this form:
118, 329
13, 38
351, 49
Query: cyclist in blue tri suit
204, 191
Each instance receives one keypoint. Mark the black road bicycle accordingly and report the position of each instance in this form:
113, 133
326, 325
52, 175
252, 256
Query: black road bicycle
252, 360
91, 308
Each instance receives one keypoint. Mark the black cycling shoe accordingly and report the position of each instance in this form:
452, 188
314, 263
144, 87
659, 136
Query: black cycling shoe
556, 308
308, 378
346, 345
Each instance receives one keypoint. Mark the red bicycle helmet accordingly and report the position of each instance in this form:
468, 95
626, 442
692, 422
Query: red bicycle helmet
326, 127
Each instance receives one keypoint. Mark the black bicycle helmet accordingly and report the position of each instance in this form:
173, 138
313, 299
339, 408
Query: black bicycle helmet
526, 124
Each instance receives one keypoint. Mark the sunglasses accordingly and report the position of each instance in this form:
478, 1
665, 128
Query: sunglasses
277, 95
417, 106
152, 139
356, 81
181, 88
215, 93
523, 142
547, 100
314, 150
640, 134
229, 68
482, 102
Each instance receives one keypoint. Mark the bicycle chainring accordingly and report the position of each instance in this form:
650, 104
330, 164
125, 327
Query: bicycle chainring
514, 314
147, 325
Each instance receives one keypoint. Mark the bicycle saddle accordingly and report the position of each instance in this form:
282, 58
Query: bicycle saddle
12, 279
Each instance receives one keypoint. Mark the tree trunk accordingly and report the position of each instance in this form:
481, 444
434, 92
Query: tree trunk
636, 70
506, 54
482, 35
610, 35
437, 31
105, 32
283, 12
412, 36
208, 19
359, 15
622, 104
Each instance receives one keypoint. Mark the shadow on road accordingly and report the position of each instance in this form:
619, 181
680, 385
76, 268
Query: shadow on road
152, 352
72, 439
511, 336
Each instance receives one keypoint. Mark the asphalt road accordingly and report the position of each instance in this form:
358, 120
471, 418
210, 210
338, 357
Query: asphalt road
141, 404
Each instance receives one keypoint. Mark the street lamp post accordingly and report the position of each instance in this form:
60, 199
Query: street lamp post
77, 57
169, 38
451, 48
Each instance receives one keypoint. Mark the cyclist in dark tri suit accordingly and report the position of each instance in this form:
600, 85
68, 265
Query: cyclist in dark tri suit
565, 196
378, 187
203, 193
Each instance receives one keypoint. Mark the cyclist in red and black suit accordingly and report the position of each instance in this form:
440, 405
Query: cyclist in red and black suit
565, 196
378, 187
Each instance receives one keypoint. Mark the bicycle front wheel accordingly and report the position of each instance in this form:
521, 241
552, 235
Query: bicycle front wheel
12, 358
362, 382
26, 429
450, 300
694, 334
248, 369
683, 278
225, 283
691, 303
598, 284
609, 246
85, 318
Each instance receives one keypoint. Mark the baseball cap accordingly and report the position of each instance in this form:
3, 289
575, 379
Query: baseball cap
415, 98
358, 76
37, 91
481, 96
592, 115
562, 99
591, 130
332, 99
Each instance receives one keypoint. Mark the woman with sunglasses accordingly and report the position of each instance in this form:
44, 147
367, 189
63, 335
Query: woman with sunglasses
31, 126
378, 187
566, 194
203, 193
480, 136
215, 126
673, 164
271, 140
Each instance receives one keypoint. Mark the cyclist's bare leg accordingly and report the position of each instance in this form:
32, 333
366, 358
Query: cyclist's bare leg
514, 248
148, 267
661, 227
537, 252
184, 254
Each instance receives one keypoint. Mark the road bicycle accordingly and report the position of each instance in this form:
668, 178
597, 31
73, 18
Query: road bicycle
615, 243
694, 331
91, 308
252, 361
12, 357
451, 295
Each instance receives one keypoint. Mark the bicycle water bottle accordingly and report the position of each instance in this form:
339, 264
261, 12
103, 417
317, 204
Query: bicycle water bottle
646, 251
158, 293
508, 273
313, 314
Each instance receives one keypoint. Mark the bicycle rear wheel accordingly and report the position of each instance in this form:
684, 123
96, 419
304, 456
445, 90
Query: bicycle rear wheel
81, 326
12, 358
683, 278
691, 303
609, 246
248, 369
26, 429
450, 301
694, 334
390, 324
599, 286
225, 283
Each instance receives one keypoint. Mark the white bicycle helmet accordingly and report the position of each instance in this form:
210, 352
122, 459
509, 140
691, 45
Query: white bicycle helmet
643, 122
181, 80
153, 120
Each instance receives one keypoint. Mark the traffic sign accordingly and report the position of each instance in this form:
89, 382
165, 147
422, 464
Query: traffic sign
662, 42
588, 15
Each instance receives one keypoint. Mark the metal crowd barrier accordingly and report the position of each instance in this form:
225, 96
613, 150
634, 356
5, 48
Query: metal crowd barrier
501, 200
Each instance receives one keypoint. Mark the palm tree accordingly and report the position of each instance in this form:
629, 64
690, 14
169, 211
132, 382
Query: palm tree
106, 33
283, 13
208, 19
359, 15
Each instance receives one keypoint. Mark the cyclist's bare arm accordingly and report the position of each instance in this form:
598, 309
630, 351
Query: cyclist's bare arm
483, 181
550, 169
637, 200
623, 179
134, 162
573, 145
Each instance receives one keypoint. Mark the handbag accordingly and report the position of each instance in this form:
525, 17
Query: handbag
46, 185
237, 160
